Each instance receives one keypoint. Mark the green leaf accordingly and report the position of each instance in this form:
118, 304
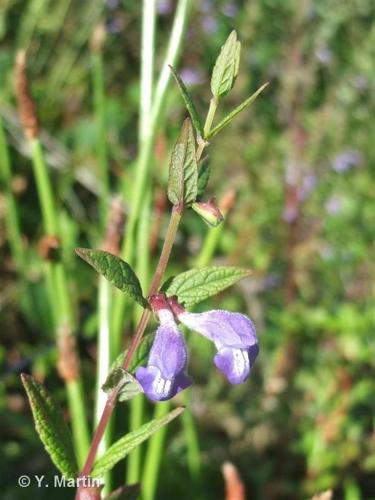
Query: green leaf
51, 427
196, 285
116, 271
226, 67
235, 112
183, 169
125, 445
188, 102
140, 356
129, 387
203, 176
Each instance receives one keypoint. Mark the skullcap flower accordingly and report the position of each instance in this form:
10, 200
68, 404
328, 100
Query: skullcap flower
165, 374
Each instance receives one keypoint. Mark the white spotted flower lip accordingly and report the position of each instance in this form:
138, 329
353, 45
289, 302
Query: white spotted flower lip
165, 374
233, 334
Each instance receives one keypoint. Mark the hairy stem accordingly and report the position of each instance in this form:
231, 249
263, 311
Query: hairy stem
111, 401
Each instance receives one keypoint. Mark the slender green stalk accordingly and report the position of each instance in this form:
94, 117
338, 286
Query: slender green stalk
145, 155
78, 418
13, 227
154, 454
104, 347
209, 246
156, 443
191, 442
143, 271
103, 366
210, 116
11, 213
141, 238
101, 140
156, 281
57, 286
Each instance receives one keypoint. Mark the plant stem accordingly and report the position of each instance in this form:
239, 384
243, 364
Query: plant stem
11, 213
155, 445
59, 294
142, 269
111, 401
210, 116
103, 350
145, 155
104, 290
154, 452
101, 142
78, 417
136, 405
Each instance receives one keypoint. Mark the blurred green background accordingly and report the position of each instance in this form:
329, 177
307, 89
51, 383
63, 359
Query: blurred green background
301, 162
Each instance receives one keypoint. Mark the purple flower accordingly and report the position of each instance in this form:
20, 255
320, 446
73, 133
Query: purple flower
334, 205
191, 76
234, 337
346, 160
165, 374
324, 55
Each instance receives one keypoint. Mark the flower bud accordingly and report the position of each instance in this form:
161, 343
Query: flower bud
209, 211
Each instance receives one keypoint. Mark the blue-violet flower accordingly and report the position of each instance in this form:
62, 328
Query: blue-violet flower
234, 337
165, 374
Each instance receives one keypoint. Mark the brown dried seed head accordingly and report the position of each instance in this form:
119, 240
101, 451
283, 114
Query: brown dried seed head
234, 487
68, 362
227, 201
48, 247
116, 216
98, 38
26, 106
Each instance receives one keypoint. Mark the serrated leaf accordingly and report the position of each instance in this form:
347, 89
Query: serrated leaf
129, 387
226, 67
116, 271
183, 169
203, 176
125, 445
188, 102
51, 427
140, 355
235, 112
196, 285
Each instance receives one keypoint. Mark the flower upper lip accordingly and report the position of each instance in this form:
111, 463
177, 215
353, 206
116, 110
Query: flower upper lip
233, 334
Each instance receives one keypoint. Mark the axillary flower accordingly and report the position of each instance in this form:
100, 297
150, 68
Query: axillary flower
234, 337
233, 334
165, 374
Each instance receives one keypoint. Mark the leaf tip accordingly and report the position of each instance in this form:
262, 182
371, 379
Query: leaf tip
80, 252
25, 377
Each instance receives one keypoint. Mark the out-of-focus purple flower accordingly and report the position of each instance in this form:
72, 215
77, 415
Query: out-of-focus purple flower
114, 25
230, 9
308, 184
234, 337
164, 7
165, 374
290, 214
324, 56
191, 76
360, 82
334, 205
346, 160
209, 24
112, 4
207, 6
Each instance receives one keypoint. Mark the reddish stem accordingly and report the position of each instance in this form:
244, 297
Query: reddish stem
111, 401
